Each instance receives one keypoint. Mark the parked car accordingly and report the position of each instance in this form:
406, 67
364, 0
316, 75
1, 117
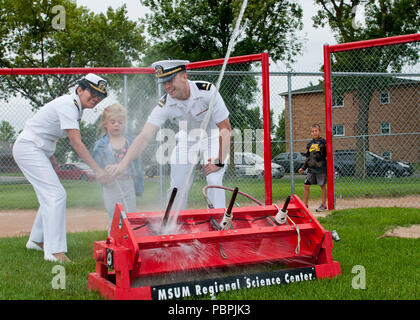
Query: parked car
283, 159
345, 164
153, 169
75, 171
251, 164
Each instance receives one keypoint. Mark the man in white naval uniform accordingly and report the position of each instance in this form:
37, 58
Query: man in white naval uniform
186, 103
34, 150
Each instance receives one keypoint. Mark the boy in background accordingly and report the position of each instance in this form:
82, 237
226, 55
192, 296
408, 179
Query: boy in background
316, 163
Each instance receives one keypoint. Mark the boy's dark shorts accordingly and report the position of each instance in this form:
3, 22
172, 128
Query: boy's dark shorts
316, 178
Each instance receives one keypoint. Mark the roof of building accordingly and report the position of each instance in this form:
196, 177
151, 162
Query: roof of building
320, 87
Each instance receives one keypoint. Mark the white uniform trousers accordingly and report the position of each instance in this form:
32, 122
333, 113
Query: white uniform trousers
180, 167
49, 226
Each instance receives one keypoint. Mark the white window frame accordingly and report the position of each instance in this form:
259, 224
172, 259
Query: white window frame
388, 156
388, 97
381, 128
339, 135
338, 105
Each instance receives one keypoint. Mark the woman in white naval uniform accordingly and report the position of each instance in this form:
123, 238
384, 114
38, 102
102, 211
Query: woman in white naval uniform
186, 103
34, 150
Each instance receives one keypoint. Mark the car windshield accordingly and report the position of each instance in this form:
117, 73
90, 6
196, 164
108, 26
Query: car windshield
83, 166
282, 156
371, 156
256, 158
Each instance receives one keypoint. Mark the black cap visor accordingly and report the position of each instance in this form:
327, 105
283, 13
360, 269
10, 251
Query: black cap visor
99, 91
168, 74
167, 78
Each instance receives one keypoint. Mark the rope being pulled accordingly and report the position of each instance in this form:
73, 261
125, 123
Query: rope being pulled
205, 122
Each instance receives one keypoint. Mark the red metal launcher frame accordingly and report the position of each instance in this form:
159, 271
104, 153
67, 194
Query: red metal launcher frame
134, 253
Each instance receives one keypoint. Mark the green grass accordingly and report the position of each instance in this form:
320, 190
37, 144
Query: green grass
26, 276
391, 264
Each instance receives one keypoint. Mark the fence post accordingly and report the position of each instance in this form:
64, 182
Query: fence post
125, 97
292, 166
161, 191
328, 127
267, 126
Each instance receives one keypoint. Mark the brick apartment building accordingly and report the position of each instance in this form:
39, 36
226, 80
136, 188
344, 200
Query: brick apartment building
394, 119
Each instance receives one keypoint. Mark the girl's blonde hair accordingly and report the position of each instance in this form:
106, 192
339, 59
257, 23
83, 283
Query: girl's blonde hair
114, 110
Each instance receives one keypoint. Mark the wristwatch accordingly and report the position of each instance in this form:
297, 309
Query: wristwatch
219, 164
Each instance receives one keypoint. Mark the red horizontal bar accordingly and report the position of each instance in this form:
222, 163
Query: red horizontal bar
203, 214
149, 242
374, 42
218, 62
122, 70
104, 70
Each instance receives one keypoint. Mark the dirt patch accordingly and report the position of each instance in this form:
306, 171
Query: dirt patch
404, 232
19, 222
352, 203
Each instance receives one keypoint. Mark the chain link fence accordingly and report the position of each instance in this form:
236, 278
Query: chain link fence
297, 100
375, 123
139, 93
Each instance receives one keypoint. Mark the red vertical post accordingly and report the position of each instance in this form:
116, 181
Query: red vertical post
328, 127
267, 126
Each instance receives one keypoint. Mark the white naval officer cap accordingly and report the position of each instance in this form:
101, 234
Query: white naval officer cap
167, 69
95, 84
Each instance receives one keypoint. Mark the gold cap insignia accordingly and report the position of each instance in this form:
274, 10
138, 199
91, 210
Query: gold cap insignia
159, 70
102, 85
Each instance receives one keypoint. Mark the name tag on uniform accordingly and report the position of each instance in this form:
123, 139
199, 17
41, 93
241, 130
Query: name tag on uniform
201, 112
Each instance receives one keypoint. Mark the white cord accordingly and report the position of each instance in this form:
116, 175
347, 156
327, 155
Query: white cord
206, 119
122, 194
297, 250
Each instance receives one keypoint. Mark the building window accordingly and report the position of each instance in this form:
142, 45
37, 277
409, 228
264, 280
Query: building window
384, 97
338, 130
386, 155
385, 128
337, 101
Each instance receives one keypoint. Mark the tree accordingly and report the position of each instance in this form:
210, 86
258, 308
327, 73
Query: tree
278, 144
7, 132
384, 18
201, 29
29, 38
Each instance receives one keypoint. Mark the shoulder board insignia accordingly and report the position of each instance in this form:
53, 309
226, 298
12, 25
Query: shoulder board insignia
76, 104
203, 85
162, 100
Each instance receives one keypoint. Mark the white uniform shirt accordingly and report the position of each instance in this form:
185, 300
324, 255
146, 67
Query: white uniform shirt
51, 121
192, 111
